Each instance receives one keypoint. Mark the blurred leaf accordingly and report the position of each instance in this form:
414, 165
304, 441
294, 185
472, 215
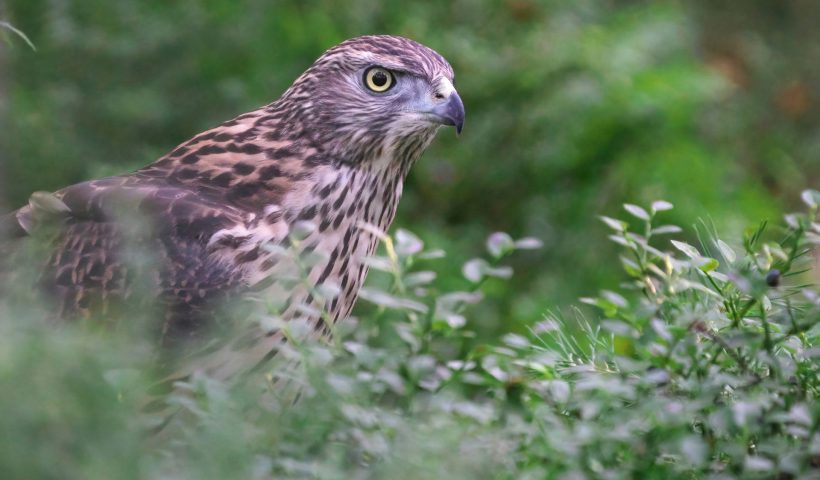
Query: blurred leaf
615, 298
499, 244
407, 243
431, 254
811, 198
474, 269
687, 249
707, 264
660, 206
614, 224
379, 263
528, 243
624, 346
384, 299
516, 341
503, 272
419, 278
665, 229
726, 251
328, 290
636, 211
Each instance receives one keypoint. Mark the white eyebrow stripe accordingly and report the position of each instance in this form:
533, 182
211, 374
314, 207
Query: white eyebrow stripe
445, 87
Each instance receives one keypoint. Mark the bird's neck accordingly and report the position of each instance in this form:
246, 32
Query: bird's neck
343, 194
327, 215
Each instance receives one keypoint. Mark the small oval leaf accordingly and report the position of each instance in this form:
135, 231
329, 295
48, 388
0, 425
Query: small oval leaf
664, 229
687, 249
499, 244
528, 243
473, 270
636, 211
661, 205
614, 224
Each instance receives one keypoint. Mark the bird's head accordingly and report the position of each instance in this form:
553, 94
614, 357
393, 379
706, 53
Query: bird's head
376, 96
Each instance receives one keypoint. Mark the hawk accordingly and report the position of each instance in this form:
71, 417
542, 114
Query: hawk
215, 215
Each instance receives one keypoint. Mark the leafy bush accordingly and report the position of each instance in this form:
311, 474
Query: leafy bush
703, 363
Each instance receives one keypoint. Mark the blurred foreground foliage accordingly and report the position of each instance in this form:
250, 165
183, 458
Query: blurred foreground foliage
573, 108
704, 364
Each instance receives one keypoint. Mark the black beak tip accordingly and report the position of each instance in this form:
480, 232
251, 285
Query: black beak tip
452, 112
455, 109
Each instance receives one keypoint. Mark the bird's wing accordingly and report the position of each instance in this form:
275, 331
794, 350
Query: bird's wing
118, 238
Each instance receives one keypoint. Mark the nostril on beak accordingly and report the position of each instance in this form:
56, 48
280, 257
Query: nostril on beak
450, 112
439, 96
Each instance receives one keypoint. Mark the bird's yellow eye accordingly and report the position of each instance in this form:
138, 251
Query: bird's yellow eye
378, 79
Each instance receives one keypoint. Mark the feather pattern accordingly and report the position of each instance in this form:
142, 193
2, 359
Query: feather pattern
213, 216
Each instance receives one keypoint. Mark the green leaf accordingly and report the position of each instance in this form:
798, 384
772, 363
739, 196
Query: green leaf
766, 303
623, 346
755, 465
636, 211
792, 220
499, 272
384, 299
694, 449
630, 267
726, 251
407, 243
528, 243
499, 244
664, 229
614, 224
811, 198
516, 341
416, 279
706, 264
661, 205
302, 229
620, 328
379, 263
454, 320
718, 276
620, 240
473, 270
687, 249
615, 298
476, 269
559, 390
328, 290
432, 254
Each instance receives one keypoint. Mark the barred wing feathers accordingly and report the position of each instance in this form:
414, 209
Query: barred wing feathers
114, 235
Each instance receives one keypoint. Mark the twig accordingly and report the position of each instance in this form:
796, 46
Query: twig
10, 27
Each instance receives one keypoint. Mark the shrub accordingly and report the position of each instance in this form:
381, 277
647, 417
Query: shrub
703, 363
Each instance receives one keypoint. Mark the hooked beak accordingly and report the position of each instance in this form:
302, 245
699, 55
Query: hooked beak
451, 111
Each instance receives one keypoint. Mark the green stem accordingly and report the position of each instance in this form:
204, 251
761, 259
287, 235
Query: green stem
767, 335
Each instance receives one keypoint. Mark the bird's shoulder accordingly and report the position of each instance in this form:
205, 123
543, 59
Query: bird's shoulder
162, 208
248, 163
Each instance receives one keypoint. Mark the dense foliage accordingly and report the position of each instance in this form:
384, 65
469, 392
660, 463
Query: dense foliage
703, 362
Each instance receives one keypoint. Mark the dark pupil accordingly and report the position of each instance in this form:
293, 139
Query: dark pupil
379, 79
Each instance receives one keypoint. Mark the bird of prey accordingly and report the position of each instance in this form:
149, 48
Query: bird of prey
217, 213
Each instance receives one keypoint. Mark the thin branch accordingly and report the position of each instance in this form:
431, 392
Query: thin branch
13, 29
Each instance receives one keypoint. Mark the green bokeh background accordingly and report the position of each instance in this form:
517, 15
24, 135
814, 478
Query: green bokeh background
572, 109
